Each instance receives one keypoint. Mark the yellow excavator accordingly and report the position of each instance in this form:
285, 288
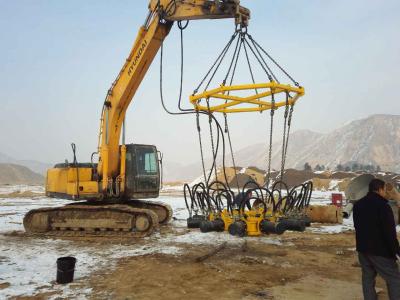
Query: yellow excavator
108, 191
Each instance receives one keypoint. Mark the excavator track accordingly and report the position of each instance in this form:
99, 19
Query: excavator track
118, 220
163, 211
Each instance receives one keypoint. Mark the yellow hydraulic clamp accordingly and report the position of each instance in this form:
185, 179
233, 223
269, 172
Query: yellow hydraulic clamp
260, 211
228, 217
219, 204
195, 204
214, 222
251, 220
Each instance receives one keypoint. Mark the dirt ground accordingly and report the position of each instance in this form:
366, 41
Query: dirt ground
308, 265
312, 266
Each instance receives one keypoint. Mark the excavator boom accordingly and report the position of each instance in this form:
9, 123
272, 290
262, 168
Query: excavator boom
158, 23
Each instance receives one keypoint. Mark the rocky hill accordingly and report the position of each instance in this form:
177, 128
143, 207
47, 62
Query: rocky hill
374, 140
16, 174
36, 166
256, 155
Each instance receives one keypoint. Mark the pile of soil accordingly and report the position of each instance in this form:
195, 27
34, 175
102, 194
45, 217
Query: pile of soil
241, 180
390, 177
19, 194
294, 177
342, 175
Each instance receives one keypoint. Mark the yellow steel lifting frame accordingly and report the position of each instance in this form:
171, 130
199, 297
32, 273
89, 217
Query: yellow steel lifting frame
260, 101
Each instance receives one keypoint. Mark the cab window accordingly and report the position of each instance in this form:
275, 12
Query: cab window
146, 162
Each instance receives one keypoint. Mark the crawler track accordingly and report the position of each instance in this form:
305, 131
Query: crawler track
119, 220
163, 211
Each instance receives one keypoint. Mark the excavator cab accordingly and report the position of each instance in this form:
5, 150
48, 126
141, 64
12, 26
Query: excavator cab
142, 171
79, 181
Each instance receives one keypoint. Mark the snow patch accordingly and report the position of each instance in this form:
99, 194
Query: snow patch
337, 228
334, 185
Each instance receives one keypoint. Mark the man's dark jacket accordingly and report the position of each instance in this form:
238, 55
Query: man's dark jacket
375, 227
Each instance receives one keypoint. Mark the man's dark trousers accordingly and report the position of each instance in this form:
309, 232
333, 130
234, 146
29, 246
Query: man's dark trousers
387, 268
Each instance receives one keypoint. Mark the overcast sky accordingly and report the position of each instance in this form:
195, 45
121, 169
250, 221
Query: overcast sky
58, 59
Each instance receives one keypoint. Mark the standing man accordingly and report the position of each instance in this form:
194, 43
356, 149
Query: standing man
376, 241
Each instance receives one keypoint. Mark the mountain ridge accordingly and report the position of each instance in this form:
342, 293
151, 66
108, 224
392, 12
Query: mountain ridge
34, 165
372, 140
17, 174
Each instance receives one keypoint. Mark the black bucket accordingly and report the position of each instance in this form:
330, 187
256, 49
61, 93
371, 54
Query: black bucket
65, 269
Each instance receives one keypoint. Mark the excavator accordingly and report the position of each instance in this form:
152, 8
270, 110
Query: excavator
106, 194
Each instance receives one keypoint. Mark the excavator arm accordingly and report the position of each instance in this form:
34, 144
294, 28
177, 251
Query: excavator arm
162, 13
131, 171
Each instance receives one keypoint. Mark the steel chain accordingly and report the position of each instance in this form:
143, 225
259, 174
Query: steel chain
231, 149
271, 128
287, 136
201, 146
284, 141
212, 139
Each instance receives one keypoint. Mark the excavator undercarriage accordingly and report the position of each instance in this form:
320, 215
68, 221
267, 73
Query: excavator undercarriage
133, 218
